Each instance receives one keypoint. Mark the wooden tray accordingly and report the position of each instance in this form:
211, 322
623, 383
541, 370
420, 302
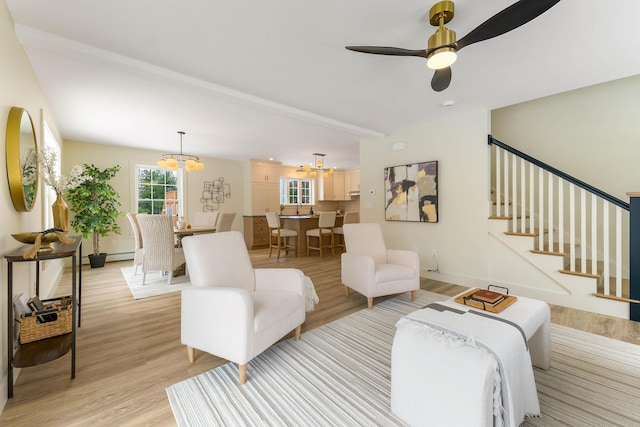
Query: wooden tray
506, 302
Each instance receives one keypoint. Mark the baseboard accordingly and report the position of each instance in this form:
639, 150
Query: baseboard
122, 256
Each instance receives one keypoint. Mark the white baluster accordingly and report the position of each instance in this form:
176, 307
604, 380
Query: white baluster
523, 210
506, 184
498, 183
583, 230
572, 228
560, 215
550, 235
618, 251
532, 208
514, 192
605, 246
540, 209
594, 235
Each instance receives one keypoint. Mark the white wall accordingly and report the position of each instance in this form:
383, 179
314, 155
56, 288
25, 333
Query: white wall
103, 156
459, 144
18, 87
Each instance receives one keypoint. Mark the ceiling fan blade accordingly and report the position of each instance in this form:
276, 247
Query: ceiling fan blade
441, 79
506, 20
383, 50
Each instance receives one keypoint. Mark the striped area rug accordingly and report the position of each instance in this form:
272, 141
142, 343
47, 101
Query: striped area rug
339, 375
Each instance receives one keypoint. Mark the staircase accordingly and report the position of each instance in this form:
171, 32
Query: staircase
556, 238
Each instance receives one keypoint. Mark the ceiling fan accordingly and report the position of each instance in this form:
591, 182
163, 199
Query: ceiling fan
443, 46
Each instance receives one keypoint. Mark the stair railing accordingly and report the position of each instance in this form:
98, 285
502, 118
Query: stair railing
535, 195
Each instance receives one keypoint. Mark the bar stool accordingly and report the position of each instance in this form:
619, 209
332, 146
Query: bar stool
326, 222
349, 218
280, 235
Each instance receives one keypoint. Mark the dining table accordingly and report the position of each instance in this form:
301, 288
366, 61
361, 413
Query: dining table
190, 231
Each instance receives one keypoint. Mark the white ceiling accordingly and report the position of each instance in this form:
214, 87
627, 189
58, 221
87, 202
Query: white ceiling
262, 79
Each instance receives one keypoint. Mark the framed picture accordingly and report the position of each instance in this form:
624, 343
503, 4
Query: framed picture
411, 192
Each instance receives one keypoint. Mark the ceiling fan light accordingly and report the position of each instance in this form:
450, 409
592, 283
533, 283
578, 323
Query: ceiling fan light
442, 58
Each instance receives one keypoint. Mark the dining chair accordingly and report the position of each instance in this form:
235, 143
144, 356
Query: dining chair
225, 221
326, 222
138, 250
338, 232
205, 219
160, 253
279, 237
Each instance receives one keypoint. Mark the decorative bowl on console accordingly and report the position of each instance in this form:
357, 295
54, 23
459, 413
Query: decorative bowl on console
30, 238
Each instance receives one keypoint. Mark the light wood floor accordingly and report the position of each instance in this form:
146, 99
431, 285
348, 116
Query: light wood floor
129, 351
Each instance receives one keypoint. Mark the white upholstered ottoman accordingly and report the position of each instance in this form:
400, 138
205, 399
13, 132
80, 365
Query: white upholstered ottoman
447, 376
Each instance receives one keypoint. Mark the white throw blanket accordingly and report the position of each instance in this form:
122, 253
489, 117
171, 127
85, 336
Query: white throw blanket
310, 295
515, 394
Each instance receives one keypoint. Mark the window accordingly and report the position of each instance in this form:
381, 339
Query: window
158, 190
296, 191
49, 195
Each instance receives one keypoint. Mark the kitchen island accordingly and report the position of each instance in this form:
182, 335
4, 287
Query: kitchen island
302, 223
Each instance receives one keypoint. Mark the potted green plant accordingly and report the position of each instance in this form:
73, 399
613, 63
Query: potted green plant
95, 206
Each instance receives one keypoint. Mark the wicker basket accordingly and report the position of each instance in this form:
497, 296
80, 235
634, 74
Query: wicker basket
31, 330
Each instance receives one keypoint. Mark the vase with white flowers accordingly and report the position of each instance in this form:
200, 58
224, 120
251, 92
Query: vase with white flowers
61, 184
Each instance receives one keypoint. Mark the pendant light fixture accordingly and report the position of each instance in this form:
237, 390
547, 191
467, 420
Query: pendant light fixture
318, 167
172, 161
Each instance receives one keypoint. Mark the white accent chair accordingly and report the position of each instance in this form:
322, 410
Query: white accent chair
160, 253
371, 269
279, 237
326, 222
138, 251
338, 233
232, 310
225, 221
205, 219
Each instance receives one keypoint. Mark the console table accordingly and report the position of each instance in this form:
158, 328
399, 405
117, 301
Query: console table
48, 349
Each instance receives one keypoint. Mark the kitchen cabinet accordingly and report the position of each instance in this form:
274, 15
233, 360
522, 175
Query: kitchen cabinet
264, 187
354, 181
256, 232
334, 187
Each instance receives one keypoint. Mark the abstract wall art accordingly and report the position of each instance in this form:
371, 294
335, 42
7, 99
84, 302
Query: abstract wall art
411, 192
213, 193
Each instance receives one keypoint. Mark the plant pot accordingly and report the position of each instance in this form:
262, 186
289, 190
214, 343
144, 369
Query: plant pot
97, 261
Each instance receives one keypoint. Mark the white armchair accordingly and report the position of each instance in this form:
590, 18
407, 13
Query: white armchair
233, 310
371, 269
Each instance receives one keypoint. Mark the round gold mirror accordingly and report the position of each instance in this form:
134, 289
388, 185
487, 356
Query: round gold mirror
22, 160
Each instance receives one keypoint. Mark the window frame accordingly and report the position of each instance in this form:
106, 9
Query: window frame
179, 201
300, 191
51, 145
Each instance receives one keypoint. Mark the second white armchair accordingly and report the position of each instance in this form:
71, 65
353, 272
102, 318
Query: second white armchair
371, 269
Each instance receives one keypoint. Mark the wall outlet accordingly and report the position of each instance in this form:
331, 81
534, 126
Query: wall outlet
434, 253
